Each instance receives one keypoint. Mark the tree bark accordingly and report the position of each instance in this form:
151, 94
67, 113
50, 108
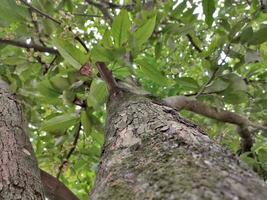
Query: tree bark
150, 152
19, 174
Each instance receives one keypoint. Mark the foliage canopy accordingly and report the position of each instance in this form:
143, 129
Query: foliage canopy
214, 51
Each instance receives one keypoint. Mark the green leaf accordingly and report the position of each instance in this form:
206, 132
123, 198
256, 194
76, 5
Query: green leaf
61, 123
217, 85
60, 82
235, 97
174, 28
100, 53
246, 35
11, 12
187, 83
208, 9
120, 28
144, 32
107, 41
235, 82
47, 90
259, 37
70, 53
98, 94
148, 67
86, 123
177, 12
158, 49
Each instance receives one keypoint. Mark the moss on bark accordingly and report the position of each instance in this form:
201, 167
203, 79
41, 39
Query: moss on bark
150, 152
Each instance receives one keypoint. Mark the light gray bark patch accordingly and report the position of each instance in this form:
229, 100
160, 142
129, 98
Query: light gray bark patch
169, 158
19, 174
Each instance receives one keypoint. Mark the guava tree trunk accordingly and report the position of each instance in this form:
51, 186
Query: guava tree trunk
150, 152
19, 174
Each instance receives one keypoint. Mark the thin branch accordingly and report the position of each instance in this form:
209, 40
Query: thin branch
186, 103
103, 7
106, 75
128, 7
81, 42
40, 12
36, 26
73, 147
86, 15
29, 46
54, 189
54, 20
213, 76
193, 43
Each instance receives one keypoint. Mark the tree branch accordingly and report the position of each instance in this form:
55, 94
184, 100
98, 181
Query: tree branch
54, 189
74, 144
106, 75
183, 102
29, 46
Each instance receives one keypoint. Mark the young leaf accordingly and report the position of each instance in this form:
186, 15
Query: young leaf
97, 94
208, 9
145, 31
70, 53
120, 28
259, 37
246, 35
217, 85
148, 67
86, 122
11, 12
100, 53
61, 123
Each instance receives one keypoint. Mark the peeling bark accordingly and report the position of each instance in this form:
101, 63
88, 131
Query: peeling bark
19, 174
150, 152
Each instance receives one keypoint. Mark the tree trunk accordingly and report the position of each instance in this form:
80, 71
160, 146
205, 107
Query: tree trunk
19, 174
150, 152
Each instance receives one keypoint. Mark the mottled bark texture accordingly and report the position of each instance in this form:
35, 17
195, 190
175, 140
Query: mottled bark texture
19, 174
151, 152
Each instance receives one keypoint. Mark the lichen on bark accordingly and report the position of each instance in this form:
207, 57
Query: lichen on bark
150, 152
19, 174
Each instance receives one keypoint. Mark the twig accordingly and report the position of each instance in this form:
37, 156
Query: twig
40, 12
208, 82
86, 15
193, 43
28, 46
81, 42
54, 20
128, 7
106, 75
103, 8
36, 26
73, 147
